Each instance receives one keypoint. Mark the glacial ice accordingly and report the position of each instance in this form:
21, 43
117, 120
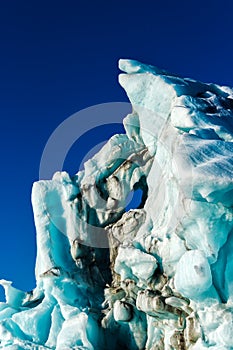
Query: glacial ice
155, 277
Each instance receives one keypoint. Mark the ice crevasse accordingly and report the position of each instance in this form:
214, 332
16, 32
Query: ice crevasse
156, 277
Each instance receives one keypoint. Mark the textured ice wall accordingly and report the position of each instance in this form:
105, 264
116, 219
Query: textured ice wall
159, 276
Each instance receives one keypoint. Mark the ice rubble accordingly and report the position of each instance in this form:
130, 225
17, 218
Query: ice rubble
159, 276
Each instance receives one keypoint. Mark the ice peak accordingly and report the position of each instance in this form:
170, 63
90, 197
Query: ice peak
164, 280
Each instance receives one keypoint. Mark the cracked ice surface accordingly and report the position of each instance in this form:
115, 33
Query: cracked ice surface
156, 277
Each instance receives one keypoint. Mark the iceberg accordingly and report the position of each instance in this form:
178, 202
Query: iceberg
155, 277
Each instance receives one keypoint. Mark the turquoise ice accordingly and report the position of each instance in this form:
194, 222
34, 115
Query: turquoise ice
166, 281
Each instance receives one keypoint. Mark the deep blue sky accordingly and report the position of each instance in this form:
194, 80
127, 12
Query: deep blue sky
58, 57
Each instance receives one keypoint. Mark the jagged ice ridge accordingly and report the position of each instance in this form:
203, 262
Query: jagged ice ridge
156, 277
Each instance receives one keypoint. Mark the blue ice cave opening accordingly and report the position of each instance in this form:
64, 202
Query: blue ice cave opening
134, 199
